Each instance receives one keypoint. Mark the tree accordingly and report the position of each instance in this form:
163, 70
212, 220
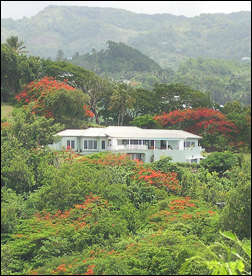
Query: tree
145, 121
121, 99
60, 55
240, 115
242, 137
145, 103
54, 99
16, 71
236, 214
33, 131
16, 174
222, 259
95, 89
219, 162
170, 97
233, 107
64, 105
13, 43
30, 69
10, 74
202, 121
76, 56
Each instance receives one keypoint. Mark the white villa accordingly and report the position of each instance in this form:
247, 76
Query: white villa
144, 144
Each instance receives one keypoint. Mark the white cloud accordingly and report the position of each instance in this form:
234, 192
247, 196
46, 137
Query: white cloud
225, 6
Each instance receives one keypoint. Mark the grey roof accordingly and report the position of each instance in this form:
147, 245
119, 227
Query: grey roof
129, 132
71, 132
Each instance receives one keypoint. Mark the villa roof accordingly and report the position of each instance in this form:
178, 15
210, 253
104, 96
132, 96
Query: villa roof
132, 132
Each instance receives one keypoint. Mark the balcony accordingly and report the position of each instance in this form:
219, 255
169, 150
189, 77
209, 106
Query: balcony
127, 147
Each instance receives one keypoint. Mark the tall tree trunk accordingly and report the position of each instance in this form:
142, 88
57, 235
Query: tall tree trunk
123, 112
96, 116
118, 121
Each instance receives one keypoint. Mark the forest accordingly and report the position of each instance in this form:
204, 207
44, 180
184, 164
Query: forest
165, 38
225, 80
103, 214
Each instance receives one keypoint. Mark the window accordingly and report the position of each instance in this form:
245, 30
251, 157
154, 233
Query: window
103, 144
189, 144
90, 144
71, 144
85, 144
134, 156
95, 144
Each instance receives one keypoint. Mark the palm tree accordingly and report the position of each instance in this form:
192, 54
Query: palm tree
13, 43
121, 99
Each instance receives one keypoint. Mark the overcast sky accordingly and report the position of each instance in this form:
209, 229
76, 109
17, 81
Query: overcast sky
19, 9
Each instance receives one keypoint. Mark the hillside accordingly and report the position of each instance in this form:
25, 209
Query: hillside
226, 80
165, 38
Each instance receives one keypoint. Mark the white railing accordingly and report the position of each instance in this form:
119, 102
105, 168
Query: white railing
128, 147
145, 147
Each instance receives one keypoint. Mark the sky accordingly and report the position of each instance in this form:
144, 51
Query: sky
19, 9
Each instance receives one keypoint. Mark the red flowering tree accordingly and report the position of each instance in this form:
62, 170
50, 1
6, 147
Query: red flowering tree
55, 99
202, 121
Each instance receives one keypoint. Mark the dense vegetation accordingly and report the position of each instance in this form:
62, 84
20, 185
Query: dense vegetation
205, 52
105, 214
165, 38
225, 80
63, 213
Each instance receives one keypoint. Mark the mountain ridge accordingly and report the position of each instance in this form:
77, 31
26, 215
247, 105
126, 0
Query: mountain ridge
168, 39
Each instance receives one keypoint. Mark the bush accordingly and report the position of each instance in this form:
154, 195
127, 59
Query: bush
219, 161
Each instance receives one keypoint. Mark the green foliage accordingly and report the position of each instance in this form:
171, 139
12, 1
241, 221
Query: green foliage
222, 259
225, 80
16, 71
118, 57
9, 73
219, 162
66, 105
145, 121
12, 42
106, 214
12, 209
174, 96
121, 99
63, 213
24, 150
236, 214
32, 131
167, 38
206, 51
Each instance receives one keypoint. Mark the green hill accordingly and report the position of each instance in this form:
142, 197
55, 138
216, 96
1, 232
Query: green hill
165, 38
226, 80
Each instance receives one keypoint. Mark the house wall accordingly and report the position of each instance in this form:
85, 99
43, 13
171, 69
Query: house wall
193, 140
174, 144
82, 139
63, 143
178, 153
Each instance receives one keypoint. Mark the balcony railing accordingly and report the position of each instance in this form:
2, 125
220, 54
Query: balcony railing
128, 147
145, 147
